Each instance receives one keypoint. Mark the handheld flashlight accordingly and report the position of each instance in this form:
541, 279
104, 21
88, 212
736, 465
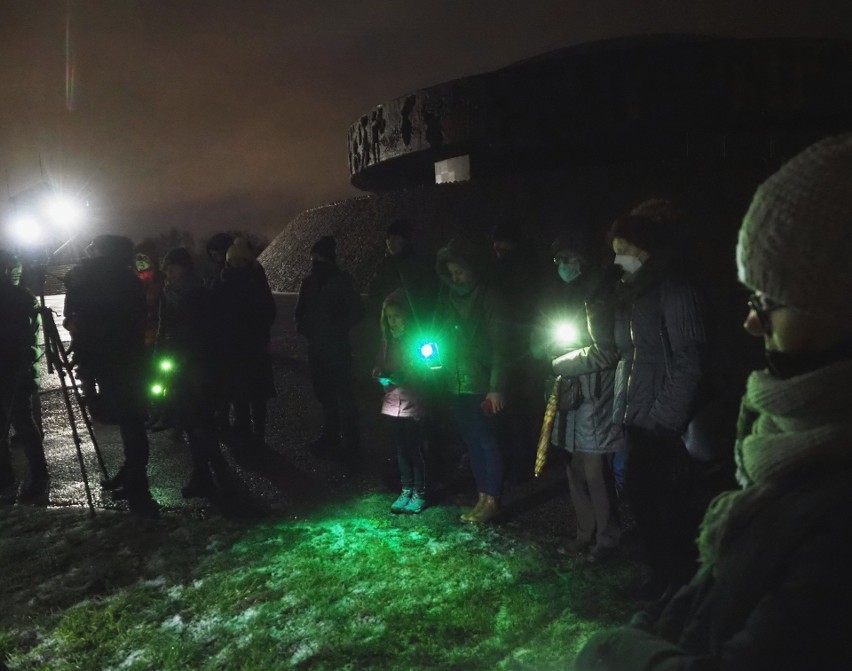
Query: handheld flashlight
429, 353
167, 365
565, 333
158, 390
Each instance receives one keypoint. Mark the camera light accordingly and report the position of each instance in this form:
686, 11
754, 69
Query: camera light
27, 230
63, 211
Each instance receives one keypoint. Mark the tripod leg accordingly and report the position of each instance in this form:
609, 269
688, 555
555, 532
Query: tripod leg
52, 346
52, 337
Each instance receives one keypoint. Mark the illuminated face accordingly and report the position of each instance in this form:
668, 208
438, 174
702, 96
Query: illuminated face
396, 320
782, 328
143, 263
622, 247
460, 274
395, 244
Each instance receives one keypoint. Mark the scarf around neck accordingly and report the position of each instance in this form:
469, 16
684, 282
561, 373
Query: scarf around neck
783, 425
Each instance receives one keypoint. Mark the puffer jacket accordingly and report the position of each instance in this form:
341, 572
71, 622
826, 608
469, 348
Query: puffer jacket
587, 427
472, 334
660, 335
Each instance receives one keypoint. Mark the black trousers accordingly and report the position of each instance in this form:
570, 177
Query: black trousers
16, 412
409, 439
660, 485
331, 375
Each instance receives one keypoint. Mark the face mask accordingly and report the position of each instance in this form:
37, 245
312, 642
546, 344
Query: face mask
569, 271
462, 289
630, 264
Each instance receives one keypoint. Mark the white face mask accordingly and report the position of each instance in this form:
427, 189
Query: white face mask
630, 264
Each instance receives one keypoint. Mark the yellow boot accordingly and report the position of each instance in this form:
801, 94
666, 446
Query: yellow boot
489, 509
467, 517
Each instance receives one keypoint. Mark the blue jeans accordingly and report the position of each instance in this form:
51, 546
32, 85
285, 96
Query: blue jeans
477, 431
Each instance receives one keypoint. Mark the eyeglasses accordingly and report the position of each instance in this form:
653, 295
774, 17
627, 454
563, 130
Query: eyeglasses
763, 306
561, 258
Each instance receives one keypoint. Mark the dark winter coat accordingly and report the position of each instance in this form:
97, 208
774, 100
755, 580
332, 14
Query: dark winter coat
472, 336
19, 327
105, 313
661, 340
105, 310
584, 421
327, 308
187, 333
779, 597
245, 310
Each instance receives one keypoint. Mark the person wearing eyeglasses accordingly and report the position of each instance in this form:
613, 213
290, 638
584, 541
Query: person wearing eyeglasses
773, 589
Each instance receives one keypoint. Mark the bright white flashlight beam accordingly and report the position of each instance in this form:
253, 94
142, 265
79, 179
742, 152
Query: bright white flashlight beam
63, 211
566, 334
27, 230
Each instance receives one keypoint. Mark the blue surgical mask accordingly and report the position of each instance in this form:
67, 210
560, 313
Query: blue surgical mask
569, 271
630, 264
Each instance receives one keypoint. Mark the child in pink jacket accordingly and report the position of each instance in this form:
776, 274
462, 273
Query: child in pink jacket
403, 406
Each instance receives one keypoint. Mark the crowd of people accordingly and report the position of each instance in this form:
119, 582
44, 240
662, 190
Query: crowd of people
619, 334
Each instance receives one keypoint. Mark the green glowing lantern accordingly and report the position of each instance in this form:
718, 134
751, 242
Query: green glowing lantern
429, 353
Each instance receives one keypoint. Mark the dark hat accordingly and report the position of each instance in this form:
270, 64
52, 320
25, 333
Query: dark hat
219, 243
648, 234
325, 247
577, 241
178, 256
115, 247
399, 227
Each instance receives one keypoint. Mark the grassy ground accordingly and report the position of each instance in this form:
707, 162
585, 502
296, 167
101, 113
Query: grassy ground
349, 587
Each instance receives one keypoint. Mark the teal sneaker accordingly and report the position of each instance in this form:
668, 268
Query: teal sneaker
401, 502
417, 503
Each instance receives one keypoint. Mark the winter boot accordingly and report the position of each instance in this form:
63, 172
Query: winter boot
200, 485
34, 490
487, 512
115, 482
417, 503
402, 500
466, 517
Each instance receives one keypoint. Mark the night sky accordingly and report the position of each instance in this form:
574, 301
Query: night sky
210, 114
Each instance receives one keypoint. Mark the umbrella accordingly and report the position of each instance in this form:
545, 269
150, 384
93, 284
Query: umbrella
547, 428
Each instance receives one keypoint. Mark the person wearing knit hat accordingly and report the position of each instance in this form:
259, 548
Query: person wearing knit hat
773, 588
327, 308
660, 335
245, 312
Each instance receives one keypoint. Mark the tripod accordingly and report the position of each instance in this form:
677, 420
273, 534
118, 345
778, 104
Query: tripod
57, 358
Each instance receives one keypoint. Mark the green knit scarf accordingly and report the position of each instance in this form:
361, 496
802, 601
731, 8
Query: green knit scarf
782, 425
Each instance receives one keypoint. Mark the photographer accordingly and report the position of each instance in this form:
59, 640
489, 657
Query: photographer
18, 344
105, 314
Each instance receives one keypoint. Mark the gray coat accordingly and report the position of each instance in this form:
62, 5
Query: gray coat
584, 421
660, 345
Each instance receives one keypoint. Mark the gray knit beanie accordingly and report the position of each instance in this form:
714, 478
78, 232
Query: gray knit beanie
797, 234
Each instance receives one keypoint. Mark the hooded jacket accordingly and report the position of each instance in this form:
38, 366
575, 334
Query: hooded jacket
472, 328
